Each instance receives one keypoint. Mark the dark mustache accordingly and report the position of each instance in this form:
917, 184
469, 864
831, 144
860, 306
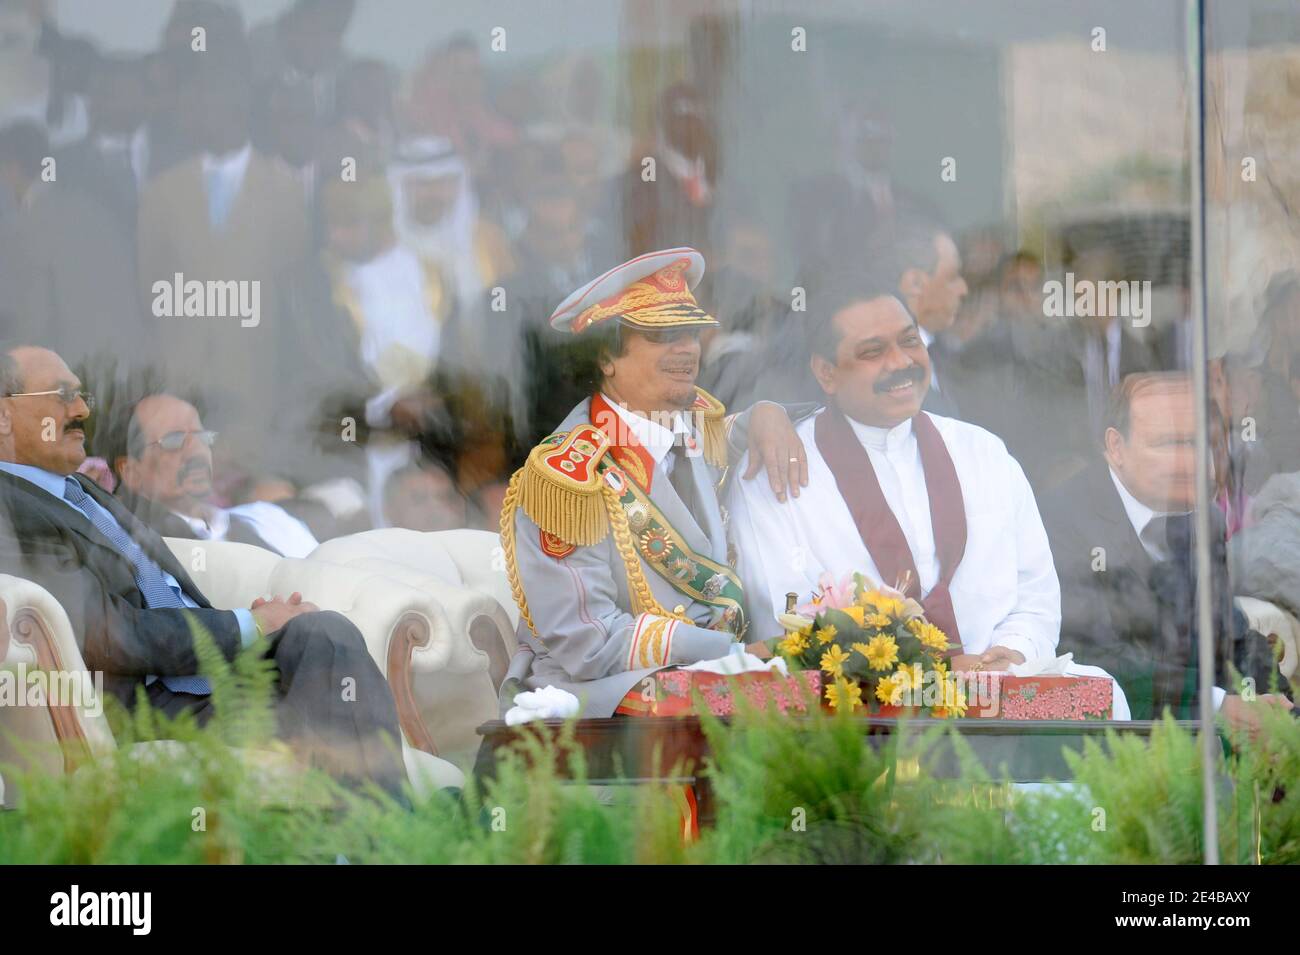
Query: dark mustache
912, 374
195, 465
74, 426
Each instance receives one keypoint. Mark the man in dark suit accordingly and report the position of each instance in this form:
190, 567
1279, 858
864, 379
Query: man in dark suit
228, 214
928, 266
111, 162
63, 258
163, 461
1121, 540
134, 609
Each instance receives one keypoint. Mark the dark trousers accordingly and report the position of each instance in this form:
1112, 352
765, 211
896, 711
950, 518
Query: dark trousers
333, 705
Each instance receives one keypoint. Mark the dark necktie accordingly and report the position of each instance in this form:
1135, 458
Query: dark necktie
682, 478
1170, 534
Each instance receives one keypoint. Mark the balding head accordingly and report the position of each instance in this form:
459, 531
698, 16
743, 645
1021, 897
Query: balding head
41, 430
166, 459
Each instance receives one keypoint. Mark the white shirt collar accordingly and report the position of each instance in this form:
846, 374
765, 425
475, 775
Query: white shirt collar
1114, 337
1139, 515
652, 435
233, 164
888, 440
214, 528
927, 338
113, 141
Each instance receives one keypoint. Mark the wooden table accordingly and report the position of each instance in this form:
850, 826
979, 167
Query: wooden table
629, 750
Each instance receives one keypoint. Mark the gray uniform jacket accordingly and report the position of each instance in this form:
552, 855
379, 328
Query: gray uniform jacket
582, 609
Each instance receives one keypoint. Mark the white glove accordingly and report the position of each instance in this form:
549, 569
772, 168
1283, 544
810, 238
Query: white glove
548, 703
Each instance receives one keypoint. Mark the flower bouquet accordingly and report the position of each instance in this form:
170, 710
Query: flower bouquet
875, 647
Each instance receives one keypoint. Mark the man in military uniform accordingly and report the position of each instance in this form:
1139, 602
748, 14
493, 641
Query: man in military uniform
614, 540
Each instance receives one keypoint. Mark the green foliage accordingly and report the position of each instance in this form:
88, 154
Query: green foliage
1268, 792
816, 790
1150, 794
812, 789
227, 792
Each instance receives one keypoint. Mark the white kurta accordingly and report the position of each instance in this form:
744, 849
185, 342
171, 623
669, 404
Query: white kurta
1005, 590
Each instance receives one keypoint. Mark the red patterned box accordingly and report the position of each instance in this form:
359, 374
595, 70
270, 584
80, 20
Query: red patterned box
1041, 698
675, 692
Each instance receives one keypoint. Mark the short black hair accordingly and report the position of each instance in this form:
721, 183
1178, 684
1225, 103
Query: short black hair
1119, 407
25, 144
119, 434
594, 347
1011, 260
913, 245
134, 445
831, 294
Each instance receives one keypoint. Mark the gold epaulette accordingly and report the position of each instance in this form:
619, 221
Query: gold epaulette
712, 415
559, 486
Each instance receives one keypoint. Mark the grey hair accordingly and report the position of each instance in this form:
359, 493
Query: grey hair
11, 377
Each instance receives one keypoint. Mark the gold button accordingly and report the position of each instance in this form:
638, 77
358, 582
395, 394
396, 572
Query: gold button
679, 609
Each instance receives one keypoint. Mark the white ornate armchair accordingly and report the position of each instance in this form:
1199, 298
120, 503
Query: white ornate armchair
464, 572
405, 629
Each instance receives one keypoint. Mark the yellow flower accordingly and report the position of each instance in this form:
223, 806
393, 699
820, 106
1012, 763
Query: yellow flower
883, 603
826, 634
909, 676
929, 635
954, 701
842, 693
888, 690
855, 614
833, 661
881, 652
793, 645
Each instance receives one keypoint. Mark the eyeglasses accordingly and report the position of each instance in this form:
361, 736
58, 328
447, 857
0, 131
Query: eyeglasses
175, 440
67, 395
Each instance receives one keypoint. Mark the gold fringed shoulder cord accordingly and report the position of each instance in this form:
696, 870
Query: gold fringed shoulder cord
578, 513
713, 428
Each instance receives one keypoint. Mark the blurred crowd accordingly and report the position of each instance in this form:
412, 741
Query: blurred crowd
410, 233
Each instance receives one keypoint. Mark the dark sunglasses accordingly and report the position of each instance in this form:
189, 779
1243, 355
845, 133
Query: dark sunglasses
667, 336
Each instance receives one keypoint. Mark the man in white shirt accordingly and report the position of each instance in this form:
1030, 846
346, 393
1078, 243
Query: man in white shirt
930, 504
165, 468
1121, 534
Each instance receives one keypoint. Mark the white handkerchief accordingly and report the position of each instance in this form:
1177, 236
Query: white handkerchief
1043, 666
548, 703
740, 661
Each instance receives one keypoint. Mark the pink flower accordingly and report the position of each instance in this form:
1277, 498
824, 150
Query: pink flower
830, 595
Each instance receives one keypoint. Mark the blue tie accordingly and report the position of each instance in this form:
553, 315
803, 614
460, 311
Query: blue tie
221, 196
148, 575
